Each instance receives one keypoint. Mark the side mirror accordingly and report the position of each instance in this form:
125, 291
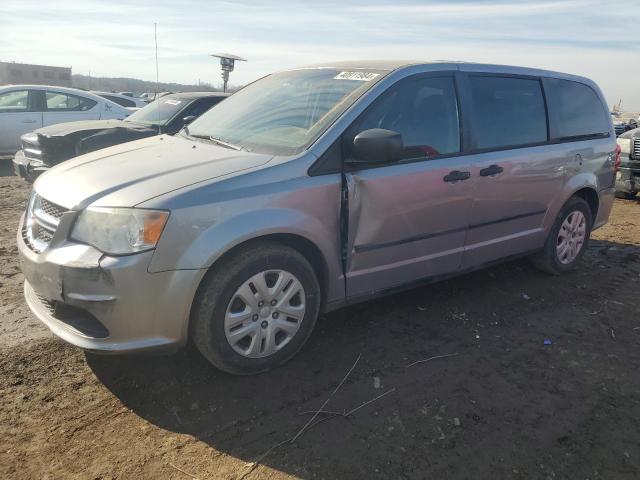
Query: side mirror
377, 146
188, 120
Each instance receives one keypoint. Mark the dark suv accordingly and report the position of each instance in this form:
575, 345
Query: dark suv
54, 144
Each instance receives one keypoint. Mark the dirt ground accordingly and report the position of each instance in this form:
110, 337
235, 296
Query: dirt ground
506, 406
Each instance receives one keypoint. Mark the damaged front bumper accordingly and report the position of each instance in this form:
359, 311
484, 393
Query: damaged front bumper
28, 168
106, 304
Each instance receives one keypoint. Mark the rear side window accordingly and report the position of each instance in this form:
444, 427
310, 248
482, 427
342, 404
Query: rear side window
508, 112
64, 102
423, 110
575, 110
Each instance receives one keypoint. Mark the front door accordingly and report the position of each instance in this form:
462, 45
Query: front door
18, 116
408, 220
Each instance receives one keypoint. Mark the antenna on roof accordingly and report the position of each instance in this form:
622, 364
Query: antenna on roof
155, 38
227, 62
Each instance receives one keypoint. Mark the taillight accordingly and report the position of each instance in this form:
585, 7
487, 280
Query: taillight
618, 161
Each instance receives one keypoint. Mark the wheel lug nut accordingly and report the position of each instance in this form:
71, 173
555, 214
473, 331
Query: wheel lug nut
255, 318
273, 302
275, 315
264, 324
260, 303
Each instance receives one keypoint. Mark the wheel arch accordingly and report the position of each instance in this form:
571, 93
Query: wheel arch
589, 195
309, 250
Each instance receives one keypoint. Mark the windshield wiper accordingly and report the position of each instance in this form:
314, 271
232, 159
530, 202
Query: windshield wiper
215, 140
223, 143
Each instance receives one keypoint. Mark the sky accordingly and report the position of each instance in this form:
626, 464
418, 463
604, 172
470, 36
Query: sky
598, 39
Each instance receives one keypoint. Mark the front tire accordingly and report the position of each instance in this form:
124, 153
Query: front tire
256, 309
568, 238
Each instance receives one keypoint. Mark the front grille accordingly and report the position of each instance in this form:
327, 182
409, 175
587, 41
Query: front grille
41, 222
635, 148
51, 209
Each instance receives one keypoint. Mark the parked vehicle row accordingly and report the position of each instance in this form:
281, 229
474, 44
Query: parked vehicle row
312, 189
622, 126
127, 101
48, 146
25, 108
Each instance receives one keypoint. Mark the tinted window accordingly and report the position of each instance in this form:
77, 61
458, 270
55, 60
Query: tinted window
200, 106
507, 112
159, 112
16, 101
424, 111
120, 101
574, 109
58, 101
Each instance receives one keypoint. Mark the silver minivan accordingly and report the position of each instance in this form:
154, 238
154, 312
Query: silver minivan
311, 189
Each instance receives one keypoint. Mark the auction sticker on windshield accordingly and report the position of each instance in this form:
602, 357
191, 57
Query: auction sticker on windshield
359, 76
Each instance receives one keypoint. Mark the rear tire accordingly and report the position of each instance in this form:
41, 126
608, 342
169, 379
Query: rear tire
220, 314
566, 242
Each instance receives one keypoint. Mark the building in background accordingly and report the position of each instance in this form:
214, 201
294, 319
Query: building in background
22, 73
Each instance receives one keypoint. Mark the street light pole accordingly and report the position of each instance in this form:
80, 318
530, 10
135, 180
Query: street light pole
227, 62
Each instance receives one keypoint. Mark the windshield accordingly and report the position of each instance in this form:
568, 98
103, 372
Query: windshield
284, 113
159, 112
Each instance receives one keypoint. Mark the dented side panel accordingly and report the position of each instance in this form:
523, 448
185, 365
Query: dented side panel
405, 223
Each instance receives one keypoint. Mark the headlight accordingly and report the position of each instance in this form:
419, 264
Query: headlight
119, 231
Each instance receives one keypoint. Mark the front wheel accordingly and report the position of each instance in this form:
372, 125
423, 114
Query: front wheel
256, 309
568, 238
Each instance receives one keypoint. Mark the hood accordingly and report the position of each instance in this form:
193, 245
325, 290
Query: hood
635, 133
62, 129
128, 174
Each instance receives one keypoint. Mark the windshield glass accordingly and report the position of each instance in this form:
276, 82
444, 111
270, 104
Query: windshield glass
284, 113
158, 112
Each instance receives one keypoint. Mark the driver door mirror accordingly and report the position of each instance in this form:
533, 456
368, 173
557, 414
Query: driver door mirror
377, 146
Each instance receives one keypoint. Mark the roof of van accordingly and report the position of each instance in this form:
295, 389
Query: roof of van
390, 65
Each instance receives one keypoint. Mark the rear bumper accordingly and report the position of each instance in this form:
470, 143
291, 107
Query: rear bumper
107, 304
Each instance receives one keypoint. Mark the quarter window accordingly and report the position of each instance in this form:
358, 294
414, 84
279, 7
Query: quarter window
508, 112
575, 110
15, 101
57, 101
424, 111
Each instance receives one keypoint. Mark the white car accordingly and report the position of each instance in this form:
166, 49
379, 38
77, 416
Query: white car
24, 108
123, 100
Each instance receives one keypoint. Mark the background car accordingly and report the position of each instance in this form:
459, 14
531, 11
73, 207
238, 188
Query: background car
123, 100
49, 146
628, 177
24, 108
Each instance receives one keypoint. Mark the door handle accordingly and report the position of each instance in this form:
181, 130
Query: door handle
456, 176
28, 121
491, 170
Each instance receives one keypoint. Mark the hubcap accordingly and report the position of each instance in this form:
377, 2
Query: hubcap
277, 298
571, 237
